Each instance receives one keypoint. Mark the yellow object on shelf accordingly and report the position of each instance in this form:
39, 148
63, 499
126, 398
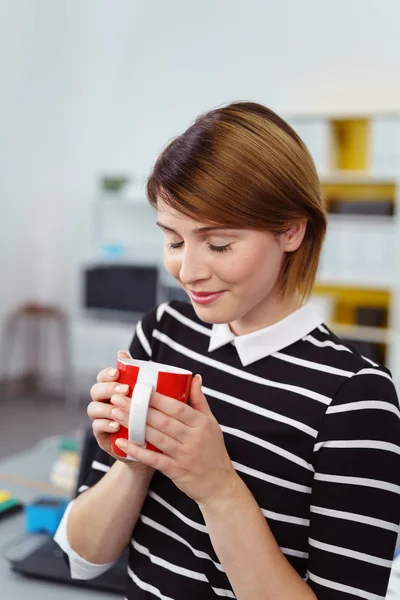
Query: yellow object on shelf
359, 191
351, 137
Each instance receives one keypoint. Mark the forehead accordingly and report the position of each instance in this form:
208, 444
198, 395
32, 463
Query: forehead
168, 216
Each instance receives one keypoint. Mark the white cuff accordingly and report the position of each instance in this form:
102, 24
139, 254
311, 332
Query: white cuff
79, 567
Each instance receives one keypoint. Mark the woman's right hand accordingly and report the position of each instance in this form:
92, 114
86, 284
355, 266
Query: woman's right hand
99, 410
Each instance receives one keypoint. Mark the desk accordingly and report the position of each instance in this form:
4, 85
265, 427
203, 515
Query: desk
36, 464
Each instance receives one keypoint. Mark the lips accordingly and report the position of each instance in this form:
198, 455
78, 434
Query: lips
205, 297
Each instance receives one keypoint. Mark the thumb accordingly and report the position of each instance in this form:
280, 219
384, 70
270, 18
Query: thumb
198, 400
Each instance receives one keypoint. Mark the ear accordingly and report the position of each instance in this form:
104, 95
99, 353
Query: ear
292, 238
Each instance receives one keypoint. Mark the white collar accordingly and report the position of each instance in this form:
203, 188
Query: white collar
259, 344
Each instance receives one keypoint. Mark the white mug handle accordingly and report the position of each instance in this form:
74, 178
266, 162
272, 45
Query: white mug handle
138, 412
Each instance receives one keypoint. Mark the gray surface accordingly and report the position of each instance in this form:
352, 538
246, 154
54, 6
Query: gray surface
27, 420
36, 464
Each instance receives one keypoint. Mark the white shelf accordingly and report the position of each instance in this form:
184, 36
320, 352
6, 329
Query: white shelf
362, 333
307, 116
356, 285
356, 177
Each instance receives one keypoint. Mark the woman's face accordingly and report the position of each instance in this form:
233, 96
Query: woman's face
229, 274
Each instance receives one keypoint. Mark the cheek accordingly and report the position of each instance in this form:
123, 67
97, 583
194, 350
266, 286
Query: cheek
172, 264
256, 267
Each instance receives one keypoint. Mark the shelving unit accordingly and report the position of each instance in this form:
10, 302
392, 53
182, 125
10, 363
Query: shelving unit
358, 159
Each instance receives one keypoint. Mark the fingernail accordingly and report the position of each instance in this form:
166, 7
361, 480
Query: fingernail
118, 414
121, 443
118, 400
112, 372
122, 389
200, 379
114, 426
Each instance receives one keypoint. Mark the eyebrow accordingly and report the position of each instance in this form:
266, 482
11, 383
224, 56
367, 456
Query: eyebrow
197, 229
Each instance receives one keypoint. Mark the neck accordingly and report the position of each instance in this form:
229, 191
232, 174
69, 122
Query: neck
266, 313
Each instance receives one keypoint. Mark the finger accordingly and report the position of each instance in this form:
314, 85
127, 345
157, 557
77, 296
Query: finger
121, 401
111, 373
156, 460
108, 374
165, 424
99, 410
198, 401
163, 442
119, 415
175, 409
104, 426
102, 392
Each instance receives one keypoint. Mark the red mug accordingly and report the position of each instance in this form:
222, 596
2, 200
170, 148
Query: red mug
143, 377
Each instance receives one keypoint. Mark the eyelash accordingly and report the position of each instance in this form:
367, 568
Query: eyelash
211, 247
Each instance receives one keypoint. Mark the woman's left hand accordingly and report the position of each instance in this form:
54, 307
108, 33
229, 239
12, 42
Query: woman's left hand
194, 455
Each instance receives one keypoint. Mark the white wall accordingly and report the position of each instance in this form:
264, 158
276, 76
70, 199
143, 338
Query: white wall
95, 85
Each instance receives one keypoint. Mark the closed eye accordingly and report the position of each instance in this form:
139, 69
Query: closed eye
175, 246
212, 247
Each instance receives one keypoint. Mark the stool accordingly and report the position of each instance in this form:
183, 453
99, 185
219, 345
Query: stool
36, 315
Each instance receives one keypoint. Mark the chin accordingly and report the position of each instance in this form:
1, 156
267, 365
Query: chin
213, 315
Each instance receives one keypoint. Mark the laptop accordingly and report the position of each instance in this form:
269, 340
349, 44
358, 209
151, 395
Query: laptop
47, 561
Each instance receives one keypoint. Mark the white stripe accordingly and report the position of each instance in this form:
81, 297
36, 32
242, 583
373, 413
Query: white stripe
323, 329
361, 444
178, 514
373, 560
178, 538
371, 362
97, 466
364, 405
268, 446
297, 553
260, 411
312, 365
285, 518
271, 478
161, 562
147, 587
238, 372
374, 483
325, 343
83, 488
188, 322
374, 372
340, 587
348, 516
160, 310
142, 338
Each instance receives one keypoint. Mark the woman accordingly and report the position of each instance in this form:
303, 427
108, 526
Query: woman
284, 482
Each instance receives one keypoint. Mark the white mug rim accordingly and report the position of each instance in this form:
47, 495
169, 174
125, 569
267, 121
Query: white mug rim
159, 367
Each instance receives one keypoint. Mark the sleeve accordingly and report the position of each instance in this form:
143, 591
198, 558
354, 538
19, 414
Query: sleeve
140, 348
355, 500
80, 568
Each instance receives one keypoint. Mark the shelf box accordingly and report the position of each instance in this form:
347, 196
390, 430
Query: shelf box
369, 144
346, 300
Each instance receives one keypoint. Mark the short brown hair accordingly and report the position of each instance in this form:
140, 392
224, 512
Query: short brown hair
243, 166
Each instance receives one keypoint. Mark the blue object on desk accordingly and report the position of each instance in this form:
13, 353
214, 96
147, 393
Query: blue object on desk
43, 515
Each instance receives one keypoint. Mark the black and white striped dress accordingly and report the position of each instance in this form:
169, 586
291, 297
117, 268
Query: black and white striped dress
311, 427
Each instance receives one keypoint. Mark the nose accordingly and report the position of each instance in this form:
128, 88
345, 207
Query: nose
193, 267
